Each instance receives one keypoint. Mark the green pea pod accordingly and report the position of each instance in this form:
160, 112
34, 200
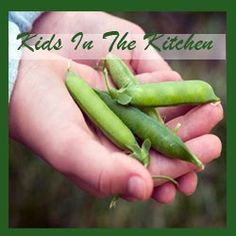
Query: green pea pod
119, 71
165, 93
123, 77
101, 115
162, 139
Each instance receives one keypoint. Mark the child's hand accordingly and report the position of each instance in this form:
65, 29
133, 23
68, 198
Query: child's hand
45, 118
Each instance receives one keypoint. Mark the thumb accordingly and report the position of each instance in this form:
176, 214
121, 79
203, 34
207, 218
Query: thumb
147, 61
102, 172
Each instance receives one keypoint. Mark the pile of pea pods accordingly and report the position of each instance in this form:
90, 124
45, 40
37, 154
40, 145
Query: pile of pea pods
130, 111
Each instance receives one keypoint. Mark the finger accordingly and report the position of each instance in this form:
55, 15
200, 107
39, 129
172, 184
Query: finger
158, 76
165, 193
169, 113
198, 121
150, 60
91, 76
206, 148
106, 173
62, 64
187, 183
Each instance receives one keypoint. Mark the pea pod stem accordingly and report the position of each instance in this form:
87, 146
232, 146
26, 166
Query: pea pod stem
114, 201
177, 127
164, 177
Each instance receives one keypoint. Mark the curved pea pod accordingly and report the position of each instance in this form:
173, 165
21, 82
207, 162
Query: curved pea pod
105, 119
123, 77
162, 139
166, 93
119, 71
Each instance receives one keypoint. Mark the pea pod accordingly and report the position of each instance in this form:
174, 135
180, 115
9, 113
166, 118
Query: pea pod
165, 93
119, 71
123, 77
101, 115
162, 139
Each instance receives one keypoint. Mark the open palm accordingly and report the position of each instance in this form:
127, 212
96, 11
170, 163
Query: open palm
44, 117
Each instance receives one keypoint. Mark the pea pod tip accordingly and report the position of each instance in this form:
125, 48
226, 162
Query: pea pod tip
198, 163
168, 178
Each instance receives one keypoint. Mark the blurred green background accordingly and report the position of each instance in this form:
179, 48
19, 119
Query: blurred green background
41, 197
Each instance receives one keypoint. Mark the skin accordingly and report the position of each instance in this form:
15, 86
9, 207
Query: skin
55, 128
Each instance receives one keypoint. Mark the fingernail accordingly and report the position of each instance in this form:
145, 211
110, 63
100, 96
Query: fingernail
136, 187
215, 104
